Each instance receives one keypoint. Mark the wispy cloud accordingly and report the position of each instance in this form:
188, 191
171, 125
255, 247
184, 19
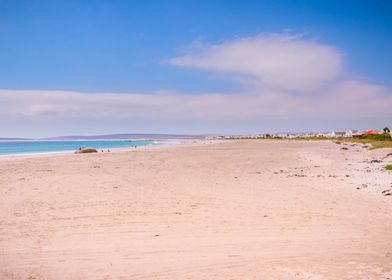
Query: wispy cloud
276, 61
348, 98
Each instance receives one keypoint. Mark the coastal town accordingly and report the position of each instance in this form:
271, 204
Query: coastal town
301, 135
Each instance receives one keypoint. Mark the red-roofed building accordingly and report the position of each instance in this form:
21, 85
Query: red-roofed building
369, 132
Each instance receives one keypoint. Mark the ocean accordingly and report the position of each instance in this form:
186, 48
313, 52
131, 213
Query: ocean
21, 147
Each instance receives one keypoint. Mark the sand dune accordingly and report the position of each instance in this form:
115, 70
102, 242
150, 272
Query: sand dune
225, 210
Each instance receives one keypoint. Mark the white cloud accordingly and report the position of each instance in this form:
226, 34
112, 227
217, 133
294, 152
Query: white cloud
345, 99
279, 69
164, 105
277, 61
356, 98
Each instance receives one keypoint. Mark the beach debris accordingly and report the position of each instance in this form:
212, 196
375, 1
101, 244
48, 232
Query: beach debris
297, 175
364, 186
344, 148
86, 151
387, 192
46, 170
387, 155
375, 161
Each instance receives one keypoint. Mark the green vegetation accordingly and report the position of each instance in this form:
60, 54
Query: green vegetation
388, 167
382, 137
311, 138
376, 143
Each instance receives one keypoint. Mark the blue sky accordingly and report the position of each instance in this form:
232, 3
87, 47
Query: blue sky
165, 54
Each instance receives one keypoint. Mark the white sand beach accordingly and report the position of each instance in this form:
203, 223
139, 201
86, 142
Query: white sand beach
249, 209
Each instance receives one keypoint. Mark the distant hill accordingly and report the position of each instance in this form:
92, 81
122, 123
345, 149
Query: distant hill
126, 136
14, 139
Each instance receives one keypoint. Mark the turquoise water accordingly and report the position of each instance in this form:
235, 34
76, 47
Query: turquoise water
33, 147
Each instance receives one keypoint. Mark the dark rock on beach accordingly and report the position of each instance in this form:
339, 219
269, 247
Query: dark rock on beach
86, 151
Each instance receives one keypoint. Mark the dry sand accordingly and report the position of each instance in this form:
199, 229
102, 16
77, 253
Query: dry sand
226, 210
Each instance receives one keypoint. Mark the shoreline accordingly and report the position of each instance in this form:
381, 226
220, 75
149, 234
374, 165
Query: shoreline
162, 143
166, 143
